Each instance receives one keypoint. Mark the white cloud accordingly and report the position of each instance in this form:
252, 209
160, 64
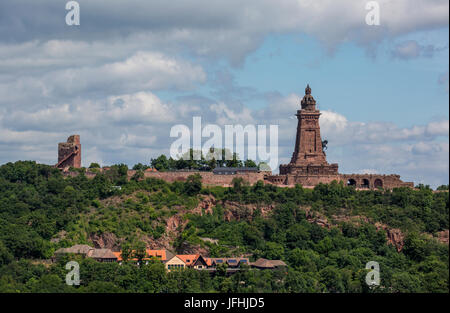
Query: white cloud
411, 49
229, 29
141, 107
141, 71
224, 115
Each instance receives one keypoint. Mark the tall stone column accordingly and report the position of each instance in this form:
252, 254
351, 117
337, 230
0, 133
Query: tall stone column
308, 144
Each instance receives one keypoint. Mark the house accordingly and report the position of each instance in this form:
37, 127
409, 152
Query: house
195, 261
188, 259
231, 262
162, 255
175, 263
200, 263
102, 255
234, 170
82, 250
268, 264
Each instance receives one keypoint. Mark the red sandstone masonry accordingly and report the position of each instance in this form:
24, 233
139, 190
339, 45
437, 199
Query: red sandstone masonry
309, 166
208, 178
69, 153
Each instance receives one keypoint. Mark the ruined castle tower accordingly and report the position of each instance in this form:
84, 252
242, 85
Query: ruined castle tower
308, 160
69, 153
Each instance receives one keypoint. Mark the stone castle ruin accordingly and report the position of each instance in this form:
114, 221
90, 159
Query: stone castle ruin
308, 165
69, 153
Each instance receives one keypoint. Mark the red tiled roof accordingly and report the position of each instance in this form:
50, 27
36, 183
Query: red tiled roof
189, 259
159, 254
208, 261
118, 255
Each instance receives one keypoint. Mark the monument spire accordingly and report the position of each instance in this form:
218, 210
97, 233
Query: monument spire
308, 103
307, 90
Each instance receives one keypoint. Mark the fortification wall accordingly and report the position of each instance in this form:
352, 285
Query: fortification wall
208, 178
374, 181
359, 181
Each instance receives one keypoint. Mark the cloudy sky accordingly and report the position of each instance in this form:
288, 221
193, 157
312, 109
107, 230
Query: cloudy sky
133, 69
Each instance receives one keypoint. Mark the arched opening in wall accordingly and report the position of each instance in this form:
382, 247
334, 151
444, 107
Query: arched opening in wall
351, 182
378, 183
365, 183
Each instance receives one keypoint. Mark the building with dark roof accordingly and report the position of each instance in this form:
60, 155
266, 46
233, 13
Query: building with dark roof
262, 263
234, 170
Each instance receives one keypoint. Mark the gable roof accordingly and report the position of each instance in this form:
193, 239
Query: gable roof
163, 255
277, 263
200, 261
160, 254
76, 249
264, 263
189, 259
118, 255
229, 261
102, 254
174, 258
208, 261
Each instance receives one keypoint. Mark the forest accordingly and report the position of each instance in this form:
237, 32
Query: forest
37, 204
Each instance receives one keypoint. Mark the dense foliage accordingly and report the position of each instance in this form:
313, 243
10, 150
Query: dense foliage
37, 204
215, 158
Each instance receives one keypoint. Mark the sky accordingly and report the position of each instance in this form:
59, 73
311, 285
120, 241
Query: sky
133, 69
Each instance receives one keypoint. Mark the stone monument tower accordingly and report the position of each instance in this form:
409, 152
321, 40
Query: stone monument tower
308, 159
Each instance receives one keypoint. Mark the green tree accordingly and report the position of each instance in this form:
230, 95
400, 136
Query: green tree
193, 184
140, 252
127, 252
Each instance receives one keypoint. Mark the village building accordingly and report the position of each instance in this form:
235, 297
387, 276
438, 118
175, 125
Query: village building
234, 170
170, 261
263, 264
175, 263
102, 255
230, 262
82, 250
162, 255
200, 263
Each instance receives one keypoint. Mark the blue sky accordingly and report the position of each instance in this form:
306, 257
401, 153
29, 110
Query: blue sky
134, 69
361, 87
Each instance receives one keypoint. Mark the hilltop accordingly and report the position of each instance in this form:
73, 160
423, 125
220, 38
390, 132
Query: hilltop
326, 235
